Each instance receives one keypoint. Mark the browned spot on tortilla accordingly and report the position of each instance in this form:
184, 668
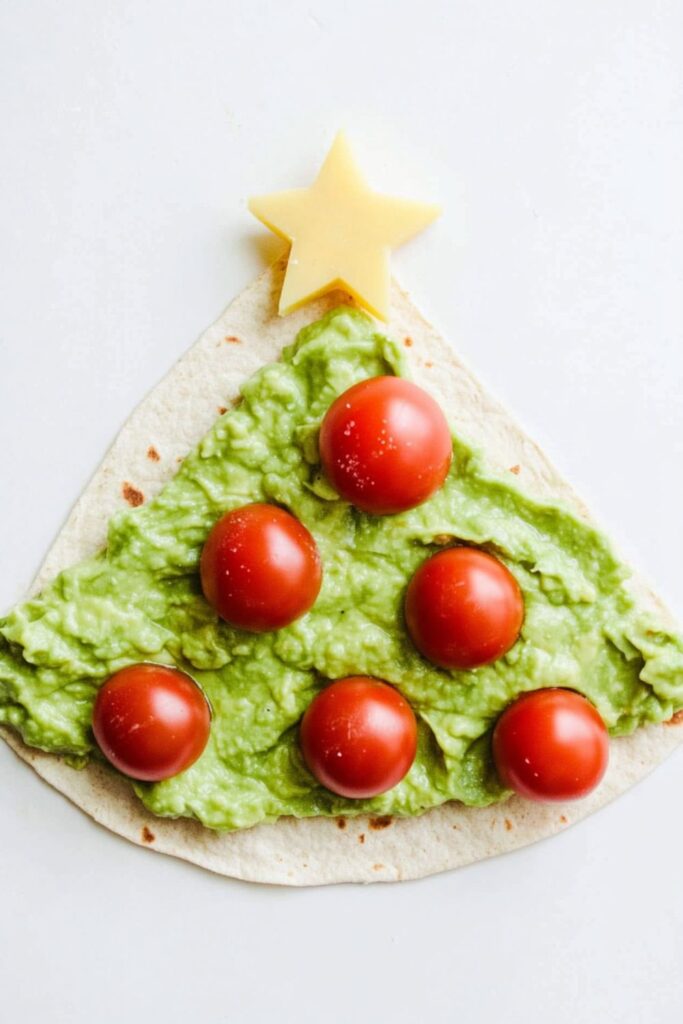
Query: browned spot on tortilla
147, 835
429, 365
508, 825
408, 342
153, 454
675, 719
378, 867
341, 822
231, 339
180, 458
454, 827
237, 400
515, 470
382, 822
132, 495
222, 410
361, 837
563, 819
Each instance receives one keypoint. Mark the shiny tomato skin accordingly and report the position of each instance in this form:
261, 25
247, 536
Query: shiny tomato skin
551, 745
385, 445
463, 608
359, 737
260, 568
151, 722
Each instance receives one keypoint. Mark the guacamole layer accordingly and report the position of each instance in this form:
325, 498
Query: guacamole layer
140, 600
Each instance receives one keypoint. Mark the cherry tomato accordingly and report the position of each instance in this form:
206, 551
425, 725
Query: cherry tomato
385, 445
550, 745
359, 737
463, 608
260, 568
151, 721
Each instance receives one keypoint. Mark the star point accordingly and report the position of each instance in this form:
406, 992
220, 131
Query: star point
341, 233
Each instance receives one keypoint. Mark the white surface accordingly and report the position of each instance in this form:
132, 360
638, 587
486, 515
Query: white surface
132, 135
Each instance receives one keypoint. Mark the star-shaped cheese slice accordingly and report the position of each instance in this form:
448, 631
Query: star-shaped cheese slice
341, 233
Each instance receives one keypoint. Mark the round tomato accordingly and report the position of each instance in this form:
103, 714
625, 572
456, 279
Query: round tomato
359, 737
151, 721
463, 608
551, 745
260, 568
385, 445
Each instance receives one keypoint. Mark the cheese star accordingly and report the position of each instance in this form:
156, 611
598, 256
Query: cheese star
341, 233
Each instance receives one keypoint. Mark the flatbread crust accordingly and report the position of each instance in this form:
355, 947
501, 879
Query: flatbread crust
146, 454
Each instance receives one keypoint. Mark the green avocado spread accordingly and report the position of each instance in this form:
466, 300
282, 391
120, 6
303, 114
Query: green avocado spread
140, 600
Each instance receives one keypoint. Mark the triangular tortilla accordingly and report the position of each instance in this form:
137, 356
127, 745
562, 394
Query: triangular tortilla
169, 422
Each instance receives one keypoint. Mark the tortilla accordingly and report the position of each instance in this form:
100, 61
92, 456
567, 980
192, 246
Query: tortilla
146, 454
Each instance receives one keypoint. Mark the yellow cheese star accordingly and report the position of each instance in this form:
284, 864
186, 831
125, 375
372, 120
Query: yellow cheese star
341, 233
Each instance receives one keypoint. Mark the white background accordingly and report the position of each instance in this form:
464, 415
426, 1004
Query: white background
131, 136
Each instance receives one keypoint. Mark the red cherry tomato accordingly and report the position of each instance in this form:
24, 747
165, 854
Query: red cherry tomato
551, 745
359, 737
260, 568
385, 445
463, 608
151, 721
